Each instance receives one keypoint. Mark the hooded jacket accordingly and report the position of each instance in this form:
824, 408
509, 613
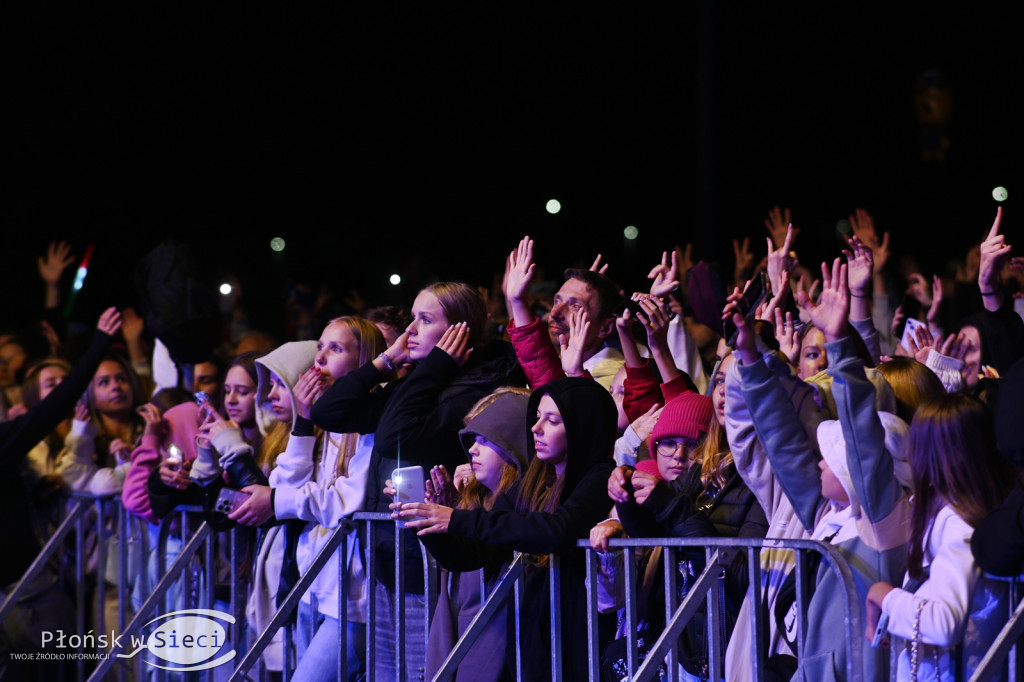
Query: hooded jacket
182, 426
589, 414
872, 532
415, 420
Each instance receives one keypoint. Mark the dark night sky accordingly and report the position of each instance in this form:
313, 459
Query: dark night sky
425, 138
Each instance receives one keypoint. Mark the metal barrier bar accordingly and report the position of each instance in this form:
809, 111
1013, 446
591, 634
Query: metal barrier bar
135, 626
339, 538
49, 549
707, 583
1005, 650
509, 578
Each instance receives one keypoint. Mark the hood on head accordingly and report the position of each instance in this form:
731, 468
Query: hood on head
288, 361
589, 413
183, 425
502, 423
832, 444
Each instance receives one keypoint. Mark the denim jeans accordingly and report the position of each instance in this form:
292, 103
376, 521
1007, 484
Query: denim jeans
318, 657
385, 637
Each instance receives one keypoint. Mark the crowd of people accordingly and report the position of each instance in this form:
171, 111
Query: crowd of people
850, 402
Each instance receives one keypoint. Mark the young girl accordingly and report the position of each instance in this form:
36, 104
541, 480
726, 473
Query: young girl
415, 419
855, 502
321, 478
496, 442
562, 495
958, 478
106, 429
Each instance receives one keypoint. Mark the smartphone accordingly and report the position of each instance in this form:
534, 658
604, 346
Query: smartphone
229, 499
174, 457
910, 332
880, 631
410, 486
752, 298
202, 398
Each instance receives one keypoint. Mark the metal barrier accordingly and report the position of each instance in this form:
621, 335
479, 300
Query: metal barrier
108, 522
337, 544
1005, 658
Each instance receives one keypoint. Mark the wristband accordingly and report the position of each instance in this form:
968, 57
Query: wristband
993, 292
857, 295
388, 362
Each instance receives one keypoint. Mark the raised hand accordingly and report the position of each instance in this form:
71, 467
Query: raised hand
643, 426
440, 488
860, 267
832, 310
665, 276
743, 257
921, 341
573, 344
109, 322
519, 270
51, 266
863, 226
777, 223
781, 260
132, 325
597, 267
993, 256
746, 346
787, 336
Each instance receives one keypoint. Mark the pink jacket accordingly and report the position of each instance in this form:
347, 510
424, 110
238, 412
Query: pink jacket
182, 426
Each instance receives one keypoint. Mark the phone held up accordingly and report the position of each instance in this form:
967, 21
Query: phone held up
752, 297
410, 486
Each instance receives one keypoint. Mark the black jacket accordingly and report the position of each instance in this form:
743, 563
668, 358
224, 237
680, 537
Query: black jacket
415, 420
477, 537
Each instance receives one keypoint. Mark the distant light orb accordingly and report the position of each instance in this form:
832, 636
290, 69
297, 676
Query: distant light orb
553, 206
844, 227
395, 280
999, 194
630, 232
277, 244
225, 288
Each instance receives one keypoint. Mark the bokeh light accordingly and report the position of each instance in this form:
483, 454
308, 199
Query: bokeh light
277, 244
630, 232
553, 206
395, 279
999, 194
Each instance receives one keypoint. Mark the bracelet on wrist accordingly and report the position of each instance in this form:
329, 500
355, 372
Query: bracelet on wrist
993, 292
388, 362
858, 295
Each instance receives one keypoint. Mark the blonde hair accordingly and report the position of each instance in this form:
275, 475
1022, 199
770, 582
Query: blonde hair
462, 303
370, 340
714, 456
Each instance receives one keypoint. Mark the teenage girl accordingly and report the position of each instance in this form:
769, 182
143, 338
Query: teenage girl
958, 478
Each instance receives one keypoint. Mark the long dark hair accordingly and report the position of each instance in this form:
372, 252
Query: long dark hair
954, 460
